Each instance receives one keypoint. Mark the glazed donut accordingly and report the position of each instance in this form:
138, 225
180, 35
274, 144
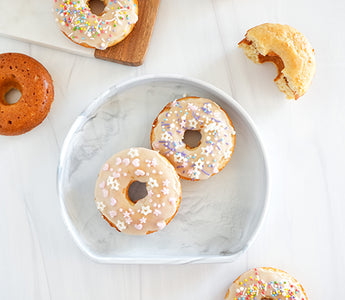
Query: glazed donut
22, 72
267, 284
149, 214
196, 114
81, 26
288, 49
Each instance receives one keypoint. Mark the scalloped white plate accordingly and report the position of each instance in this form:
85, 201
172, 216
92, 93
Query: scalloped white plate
218, 218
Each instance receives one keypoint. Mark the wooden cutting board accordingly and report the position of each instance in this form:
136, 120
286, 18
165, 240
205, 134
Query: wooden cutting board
33, 21
132, 50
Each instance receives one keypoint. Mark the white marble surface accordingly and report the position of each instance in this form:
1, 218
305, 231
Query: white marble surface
16, 16
217, 220
304, 232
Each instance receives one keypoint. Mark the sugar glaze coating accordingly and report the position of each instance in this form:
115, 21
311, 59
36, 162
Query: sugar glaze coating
217, 137
147, 215
81, 26
265, 283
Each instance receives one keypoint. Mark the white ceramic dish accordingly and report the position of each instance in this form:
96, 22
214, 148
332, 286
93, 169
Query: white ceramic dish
218, 218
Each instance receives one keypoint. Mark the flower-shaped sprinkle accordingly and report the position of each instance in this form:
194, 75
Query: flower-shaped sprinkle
133, 152
128, 220
179, 157
120, 225
126, 214
206, 150
191, 106
211, 127
113, 183
145, 210
199, 164
152, 183
100, 206
157, 212
165, 191
193, 123
166, 137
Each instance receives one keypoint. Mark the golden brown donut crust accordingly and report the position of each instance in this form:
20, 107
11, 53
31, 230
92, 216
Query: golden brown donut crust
22, 72
288, 49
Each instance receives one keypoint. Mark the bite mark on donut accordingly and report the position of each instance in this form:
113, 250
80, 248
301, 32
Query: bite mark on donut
275, 59
281, 81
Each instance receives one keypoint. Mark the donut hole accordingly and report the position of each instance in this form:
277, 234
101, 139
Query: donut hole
136, 191
192, 138
96, 6
13, 96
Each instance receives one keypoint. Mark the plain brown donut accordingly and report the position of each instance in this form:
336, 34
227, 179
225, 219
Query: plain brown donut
22, 72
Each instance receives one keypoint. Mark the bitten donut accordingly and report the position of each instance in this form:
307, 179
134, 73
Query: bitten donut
22, 72
85, 28
194, 114
288, 49
267, 284
149, 214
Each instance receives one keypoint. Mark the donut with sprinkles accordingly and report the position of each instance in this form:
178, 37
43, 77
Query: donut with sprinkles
76, 20
149, 214
266, 284
215, 147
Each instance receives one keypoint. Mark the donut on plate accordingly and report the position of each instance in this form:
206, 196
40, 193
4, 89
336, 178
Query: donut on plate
22, 72
288, 49
85, 28
266, 284
217, 137
149, 214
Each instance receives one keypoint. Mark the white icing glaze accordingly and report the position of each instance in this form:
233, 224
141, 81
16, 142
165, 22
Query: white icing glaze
149, 214
217, 137
77, 21
265, 283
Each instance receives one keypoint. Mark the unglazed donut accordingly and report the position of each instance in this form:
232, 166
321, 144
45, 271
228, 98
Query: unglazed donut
266, 284
81, 26
198, 114
288, 49
22, 72
149, 214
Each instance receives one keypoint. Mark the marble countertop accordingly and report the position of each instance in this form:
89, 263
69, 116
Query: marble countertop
304, 232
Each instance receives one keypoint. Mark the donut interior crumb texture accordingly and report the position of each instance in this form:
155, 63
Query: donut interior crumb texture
288, 49
32, 80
